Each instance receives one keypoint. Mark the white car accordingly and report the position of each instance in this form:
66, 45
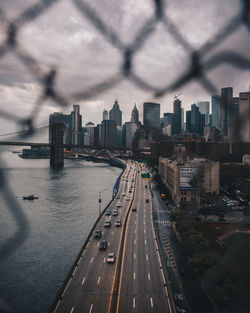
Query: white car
123, 194
128, 198
119, 204
111, 258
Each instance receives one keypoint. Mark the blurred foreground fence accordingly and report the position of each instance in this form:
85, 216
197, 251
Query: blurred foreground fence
200, 65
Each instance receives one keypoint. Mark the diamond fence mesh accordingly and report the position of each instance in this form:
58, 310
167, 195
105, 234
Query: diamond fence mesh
200, 66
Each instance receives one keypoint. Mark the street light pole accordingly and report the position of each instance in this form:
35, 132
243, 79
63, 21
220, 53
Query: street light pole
100, 201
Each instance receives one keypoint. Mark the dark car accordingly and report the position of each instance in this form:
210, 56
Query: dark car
103, 245
147, 200
134, 209
107, 224
98, 233
108, 212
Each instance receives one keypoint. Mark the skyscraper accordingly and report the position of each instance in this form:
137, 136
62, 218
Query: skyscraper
105, 115
76, 124
109, 134
115, 114
176, 119
216, 111
204, 109
244, 116
134, 115
226, 96
151, 116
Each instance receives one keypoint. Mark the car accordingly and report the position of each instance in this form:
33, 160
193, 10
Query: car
118, 197
115, 212
134, 209
119, 204
108, 212
132, 180
147, 200
118, 223
111, 258
130, 190
107, 224
127, 198
98, 233
123, 194
103, 245
146, 186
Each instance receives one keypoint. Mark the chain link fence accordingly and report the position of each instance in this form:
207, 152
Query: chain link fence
202, 61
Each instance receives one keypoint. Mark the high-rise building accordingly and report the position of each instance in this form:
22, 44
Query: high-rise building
177, 106
176, 118
105, 115
109, 134
115, 114
244, 116
90, 129
226, 96
195, 121
76, 124
216, 111
151, 116
204, 109
134, 116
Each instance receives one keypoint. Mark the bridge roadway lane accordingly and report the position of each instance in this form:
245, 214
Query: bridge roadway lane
142, 281
90, 287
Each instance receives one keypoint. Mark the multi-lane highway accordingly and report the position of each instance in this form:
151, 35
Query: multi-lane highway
135, 282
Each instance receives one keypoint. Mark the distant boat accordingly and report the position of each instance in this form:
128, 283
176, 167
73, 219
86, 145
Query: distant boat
30, 197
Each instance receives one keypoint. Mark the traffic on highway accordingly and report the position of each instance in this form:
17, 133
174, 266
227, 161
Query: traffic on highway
120, 269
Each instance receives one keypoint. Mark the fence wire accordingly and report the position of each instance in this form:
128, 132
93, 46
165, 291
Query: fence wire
200, 66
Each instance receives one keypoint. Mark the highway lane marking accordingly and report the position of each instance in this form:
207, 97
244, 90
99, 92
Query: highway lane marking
67, 286
144, 231
145, 242
135, 231
91, 307
98, 281
74, 271
134, 275
104, 260
148, 276
134, 241
72, 310
57, 306
112, 232
151, 302
91, 260
83, 280
147, 257
133, 302
134, 255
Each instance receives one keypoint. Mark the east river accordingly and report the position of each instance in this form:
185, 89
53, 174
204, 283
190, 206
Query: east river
59, 222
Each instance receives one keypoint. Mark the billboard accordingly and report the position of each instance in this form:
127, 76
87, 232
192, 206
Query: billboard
186, 176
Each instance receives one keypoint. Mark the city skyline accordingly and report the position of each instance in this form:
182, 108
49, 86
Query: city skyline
160, 54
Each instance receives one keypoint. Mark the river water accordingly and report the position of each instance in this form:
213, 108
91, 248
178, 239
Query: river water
60, 221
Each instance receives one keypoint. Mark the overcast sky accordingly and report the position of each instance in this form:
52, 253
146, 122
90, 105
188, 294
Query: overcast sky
62, 37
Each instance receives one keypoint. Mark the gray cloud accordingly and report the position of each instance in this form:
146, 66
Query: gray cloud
62, 37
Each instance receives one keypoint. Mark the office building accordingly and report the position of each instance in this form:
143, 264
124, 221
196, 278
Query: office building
105, 115
186, 179
176, 118
204, 109
226, 96
115, 114
134, 116
244, 116
216, 111
151, 116
109, 134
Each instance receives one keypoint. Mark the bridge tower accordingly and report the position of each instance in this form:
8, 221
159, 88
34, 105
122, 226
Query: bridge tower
56, 148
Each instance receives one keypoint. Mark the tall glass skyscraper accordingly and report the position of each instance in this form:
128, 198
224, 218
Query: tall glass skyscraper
215, 111
115, 114
151, 116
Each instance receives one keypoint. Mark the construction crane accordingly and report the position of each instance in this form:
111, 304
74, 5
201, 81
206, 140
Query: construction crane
176, 96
